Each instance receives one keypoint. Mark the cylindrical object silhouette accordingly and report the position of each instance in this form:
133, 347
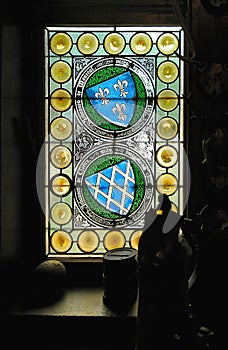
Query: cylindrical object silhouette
120, 280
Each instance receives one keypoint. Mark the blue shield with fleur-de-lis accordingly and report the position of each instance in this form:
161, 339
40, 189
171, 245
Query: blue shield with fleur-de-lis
114, 187
114, 99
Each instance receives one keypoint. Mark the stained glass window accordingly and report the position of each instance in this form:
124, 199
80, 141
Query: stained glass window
114, 131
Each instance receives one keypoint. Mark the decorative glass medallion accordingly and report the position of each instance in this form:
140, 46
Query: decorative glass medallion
61, 241
168, 43
61, 100
114, 43
166, 156
61, 157
167, 100
87, 43
60, 71
88, 241
167, 183
61, 213
60, 43
116, 99
167, 71
60, 185
61, 128
112, 189
167, 128
114, 239
134, 239
141, 43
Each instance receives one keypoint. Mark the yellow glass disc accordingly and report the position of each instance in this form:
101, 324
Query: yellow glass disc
88, 43
61, 43
134, 239
60, 185
167, 71
167, 100
61, 128
88, 241
61, 213
61, 100
61, 241
174, 207
114, 239
166, 156
167, 128
114, 43
60, 71
61, 157
141, 43
167, 43
167, 184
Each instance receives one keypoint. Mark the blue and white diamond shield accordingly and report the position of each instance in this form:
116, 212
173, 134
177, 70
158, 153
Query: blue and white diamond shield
114, 187
114, 99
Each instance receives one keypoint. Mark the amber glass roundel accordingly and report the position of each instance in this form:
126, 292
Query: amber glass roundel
167, 184
61, 213
174, 208
60, 71
61, 241
87, 43
167, 72
114, 239
167, 100
166, 156
167, 43
114, 43
61, 43
61, 128
88, 241
61, 157
134, 239
61, 100
167, 128
141, 43
61, 185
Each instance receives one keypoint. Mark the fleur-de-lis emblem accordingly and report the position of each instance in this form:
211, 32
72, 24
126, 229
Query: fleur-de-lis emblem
120, 86
101, 94
118, 108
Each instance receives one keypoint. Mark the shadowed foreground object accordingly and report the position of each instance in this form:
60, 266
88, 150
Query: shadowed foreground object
47, 282
163, 281
120, 280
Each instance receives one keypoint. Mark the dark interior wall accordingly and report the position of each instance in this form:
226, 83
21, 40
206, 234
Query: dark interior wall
208, 105
20, 136
11, 186
208, 144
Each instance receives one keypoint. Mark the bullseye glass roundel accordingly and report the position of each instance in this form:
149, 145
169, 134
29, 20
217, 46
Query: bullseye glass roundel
116, 98
111, 191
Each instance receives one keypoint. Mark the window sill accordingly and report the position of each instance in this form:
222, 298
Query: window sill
75, 302
78, 319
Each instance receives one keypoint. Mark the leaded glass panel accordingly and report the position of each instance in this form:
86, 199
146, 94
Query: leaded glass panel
113, 134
